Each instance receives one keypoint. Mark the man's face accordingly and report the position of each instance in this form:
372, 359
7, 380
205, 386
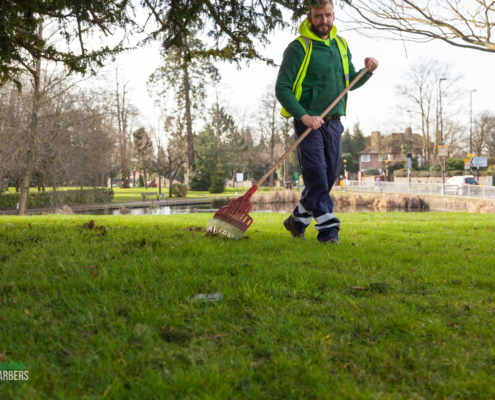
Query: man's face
321, 19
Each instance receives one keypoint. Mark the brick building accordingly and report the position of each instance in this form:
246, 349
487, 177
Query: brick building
389, 148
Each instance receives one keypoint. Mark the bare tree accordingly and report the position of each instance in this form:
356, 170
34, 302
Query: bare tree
269, 122
466, 23
172, 156
484, 131
420, 93
124, 112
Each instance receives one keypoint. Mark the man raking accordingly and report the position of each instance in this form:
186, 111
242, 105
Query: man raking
316, 68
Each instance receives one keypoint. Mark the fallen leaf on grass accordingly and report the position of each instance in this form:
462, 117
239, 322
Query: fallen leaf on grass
92, 266
12, 300
90, 224
143, 243
195, 228
357, 288
1, 301
193, 234
27, 312
453, 326
246, 237
2, 357
95, 272
221, 335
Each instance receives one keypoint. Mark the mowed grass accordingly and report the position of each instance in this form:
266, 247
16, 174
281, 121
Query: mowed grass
289, 326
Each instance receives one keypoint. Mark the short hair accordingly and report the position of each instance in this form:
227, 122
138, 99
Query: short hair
321, 3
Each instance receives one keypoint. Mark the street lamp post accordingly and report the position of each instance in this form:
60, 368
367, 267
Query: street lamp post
441, 130
471, 122
345, 170
409, 155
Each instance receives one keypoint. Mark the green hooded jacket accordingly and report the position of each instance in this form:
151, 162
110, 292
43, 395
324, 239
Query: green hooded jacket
324, 79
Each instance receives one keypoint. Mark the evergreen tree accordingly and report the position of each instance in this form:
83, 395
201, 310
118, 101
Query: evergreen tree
186, 77
358, 139
218, 179
144, 152
347, 143
207, 152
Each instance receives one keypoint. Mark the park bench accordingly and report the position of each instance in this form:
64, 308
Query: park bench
149, 194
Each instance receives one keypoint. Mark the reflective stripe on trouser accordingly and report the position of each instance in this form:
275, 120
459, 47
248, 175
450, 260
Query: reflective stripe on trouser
319, 159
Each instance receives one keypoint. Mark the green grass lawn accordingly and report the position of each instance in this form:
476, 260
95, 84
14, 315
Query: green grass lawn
289, 325
134, 194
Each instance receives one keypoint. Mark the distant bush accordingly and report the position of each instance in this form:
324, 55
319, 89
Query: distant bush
58, 198
179, 190
435, 167
371, 172
218, 180
454, 164
491, 168
434, 174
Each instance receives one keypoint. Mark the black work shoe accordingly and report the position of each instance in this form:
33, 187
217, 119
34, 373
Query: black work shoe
289, 225
331, 241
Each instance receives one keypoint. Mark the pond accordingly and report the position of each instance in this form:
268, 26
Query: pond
208, 208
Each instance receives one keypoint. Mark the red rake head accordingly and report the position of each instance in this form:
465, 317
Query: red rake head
233, 219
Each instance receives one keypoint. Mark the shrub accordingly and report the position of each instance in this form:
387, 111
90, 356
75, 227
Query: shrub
454, 164
491, 168
179, 190
371, 172
218, 180
59, 198
435, 167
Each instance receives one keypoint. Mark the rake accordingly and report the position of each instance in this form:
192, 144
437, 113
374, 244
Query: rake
233, 219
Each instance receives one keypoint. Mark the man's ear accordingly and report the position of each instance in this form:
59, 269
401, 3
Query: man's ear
333, 16
309, 17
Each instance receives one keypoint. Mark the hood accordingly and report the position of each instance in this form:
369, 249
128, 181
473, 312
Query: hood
305, 31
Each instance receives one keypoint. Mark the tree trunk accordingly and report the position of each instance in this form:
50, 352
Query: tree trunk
190, 138
17, 183
23, 198
159, 184
145, 178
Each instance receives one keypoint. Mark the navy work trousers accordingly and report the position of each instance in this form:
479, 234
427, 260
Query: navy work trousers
319, 159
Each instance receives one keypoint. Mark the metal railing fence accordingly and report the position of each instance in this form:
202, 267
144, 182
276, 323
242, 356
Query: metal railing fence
431, 189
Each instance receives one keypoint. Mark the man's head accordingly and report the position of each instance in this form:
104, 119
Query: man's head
322, 17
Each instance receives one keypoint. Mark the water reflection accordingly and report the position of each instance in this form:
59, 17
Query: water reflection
207, 208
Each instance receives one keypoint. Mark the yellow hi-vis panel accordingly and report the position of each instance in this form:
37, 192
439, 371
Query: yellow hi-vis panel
307, 45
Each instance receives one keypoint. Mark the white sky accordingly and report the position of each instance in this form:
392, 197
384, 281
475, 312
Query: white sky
374, 105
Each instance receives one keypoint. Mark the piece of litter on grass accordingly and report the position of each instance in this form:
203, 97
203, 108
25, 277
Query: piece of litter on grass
357, 288
208, 297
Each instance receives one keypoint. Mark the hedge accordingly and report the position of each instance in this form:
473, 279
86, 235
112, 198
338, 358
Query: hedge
57, 198
402, 173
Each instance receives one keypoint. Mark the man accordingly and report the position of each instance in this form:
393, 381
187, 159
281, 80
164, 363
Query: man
316, 68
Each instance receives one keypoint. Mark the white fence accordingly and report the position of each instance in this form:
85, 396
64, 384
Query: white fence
432, 189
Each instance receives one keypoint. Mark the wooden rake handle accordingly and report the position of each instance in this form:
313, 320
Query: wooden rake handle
306, 132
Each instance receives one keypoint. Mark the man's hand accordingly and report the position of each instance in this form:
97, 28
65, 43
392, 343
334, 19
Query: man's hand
371, 63
312, 122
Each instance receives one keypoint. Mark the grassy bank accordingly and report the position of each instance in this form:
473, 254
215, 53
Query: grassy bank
132, 195
289, 325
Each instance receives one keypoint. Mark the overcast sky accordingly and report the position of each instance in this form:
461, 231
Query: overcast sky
374, 105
